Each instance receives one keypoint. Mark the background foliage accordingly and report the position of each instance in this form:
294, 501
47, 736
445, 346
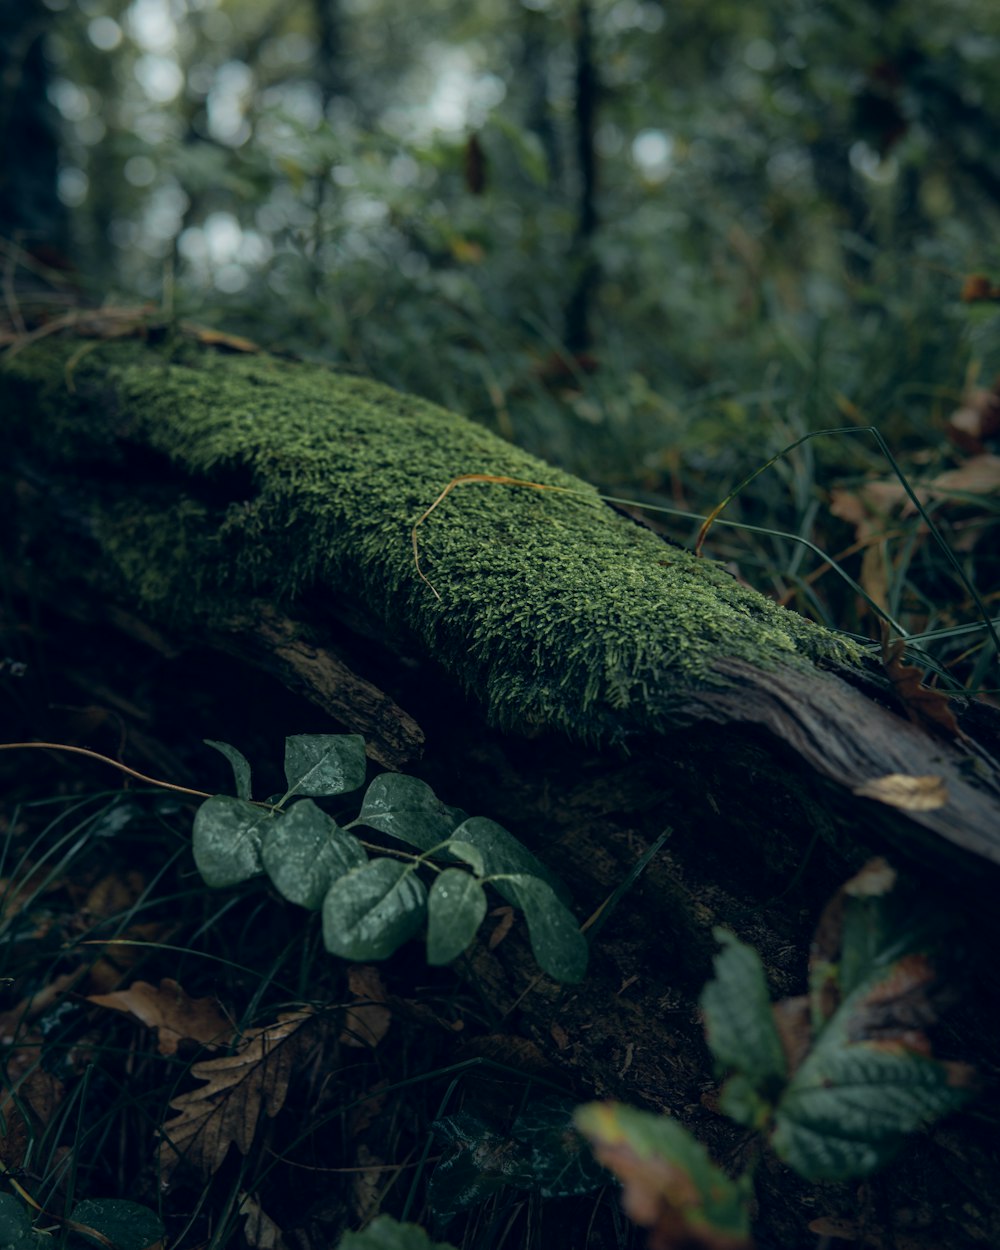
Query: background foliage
651, 242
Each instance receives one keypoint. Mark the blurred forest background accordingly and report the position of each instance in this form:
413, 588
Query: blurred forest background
653, 242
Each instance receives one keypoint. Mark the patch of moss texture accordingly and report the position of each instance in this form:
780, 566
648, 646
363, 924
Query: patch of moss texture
215, 477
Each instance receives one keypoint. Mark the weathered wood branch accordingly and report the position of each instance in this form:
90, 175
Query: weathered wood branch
209, 483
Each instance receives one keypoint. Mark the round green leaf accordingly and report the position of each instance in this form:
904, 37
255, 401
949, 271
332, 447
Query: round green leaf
227, 839
455, 910
408, 809
306, 851
501, 853
468, 854
129, 1225
16, 1232
556, 940
373, 910
324, 764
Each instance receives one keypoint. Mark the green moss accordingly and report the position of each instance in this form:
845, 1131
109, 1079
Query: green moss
553, 609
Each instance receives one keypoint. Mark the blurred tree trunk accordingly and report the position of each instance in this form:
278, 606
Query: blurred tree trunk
29, 154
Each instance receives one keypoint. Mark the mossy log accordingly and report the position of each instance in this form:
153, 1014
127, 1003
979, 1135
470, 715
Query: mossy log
574, 677
210, 482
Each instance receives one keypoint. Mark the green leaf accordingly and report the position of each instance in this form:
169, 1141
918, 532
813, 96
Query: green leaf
559, 1162
502, 853
384, 1233
469, 854
671, 1185
129, 1225
325, 764
477, 1160
306, 851
851, 1103
240, 765
456, 907
541, 1153
556, 940
227, 839
408, 809
740, 1023
16, 1232
372, 911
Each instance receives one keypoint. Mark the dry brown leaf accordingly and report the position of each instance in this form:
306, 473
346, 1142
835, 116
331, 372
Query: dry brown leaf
368, 1018
367, 1186
238, 1090
364, 1114
979, 475
29, 1100
503, 926
120, 954
260, 1230
910, 794
794, 1024
875, 574
15, 1019
168, 1009
113, 894
976, 421
217, 338
924, 705
977, 287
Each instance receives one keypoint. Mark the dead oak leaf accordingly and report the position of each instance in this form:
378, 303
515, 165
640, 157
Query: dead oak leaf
924, 705
260, 1230
169, 1010
909, 794
238, 1090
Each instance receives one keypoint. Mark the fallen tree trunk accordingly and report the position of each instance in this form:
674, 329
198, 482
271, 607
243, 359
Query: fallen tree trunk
265, 509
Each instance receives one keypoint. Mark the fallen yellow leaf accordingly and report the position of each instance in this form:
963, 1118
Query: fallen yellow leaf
911, 794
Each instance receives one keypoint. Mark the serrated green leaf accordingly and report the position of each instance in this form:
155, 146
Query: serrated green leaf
306, 851
502, 853
373, 910
668, 1177
16, 1232
851, 1103
456, 907
407, 809
556, 940
324, 764
227, 838
739, 1021
240, 765
384, 1233
868, 1078
127, 1224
